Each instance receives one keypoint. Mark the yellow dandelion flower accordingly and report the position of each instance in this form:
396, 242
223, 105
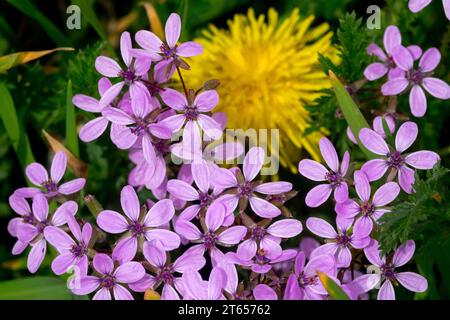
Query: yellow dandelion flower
269, 71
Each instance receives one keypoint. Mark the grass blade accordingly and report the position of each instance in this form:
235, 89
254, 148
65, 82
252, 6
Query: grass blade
14, 59
332, 288
351, 112
52, 31
71, 124
15, 131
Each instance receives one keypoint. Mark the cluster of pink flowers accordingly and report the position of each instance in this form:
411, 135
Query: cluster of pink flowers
207, 217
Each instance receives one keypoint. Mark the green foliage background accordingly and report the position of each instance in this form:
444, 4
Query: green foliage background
39, 92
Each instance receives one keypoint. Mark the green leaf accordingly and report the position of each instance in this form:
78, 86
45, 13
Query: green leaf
35, 288
52, 31
351, 112
332, 288
86, 7
71, 125
17, 58
15, 131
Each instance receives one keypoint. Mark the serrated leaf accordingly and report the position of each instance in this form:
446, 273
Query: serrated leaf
35, 288
17, 58
78, 167
52, 31
332, 288
71, 125
351, 112
16, 133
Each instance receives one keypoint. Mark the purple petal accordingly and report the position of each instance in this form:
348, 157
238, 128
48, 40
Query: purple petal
406, 178
318, 195
437, 88
125, 249
36, 255
417, 101
36, 173
72, 186
130, 203
148, 150
312, 170
103, 85
392, 39
412, 281
112, 222
343, 257
329, 154
375, 169
264, 292
417, 5
129, 272
58, 167
87, 285
362, 185
363, 226
148, 40
341, 192
174, 123
174, 99
182, 190
373, 141
347, 209
117, 116
386, 291
272, 248
107, 67
19, 205
351, 136
111, 94
292, 291
190, 212
375, 71
375, 50
430, 60
102, 294
188, 262
264, 208
26, 232
65, 211
386, 194
210, 126
424, 160
125, 46
286, 228
200, 173
187, 230
247, 249
214, 216
122, 136
403, 58
170, 240
93, 129
173, 29
103, 263
160, 214
86, 233
207, 100
253, 163
404, 253
415, 51
372, 254
40, 207
345, 163
406, 135
273, 188
169, 293
63, 263
216, 283
86, 103
321, 228
189, 49
223, 178
58, 238
154, 253
233, 235
394, 86
325, 263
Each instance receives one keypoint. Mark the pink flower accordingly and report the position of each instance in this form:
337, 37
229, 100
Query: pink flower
264, 292
165, 270
110, 279
417, 5
393, 158
334, 177
138, 227
195, 288
378, 127
31, 229
212, 234
71, 252
337, 243
157, 50
367, 209
38, 175
417, 79
268, 238
131, 75
388, 275
241, 187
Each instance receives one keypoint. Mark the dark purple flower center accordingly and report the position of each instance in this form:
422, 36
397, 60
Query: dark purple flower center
367, 209
258, 233
78, 250
415, 76
304, 281
395, 159
128, 75
41, 226
210, 240
29, 218
387, 270
108, 281
333, 178
161, 147
280, 198
166, 275
167, 51
245, 189
205, 199
390, 63
191, 112
153, 88
50, 187
140, 126
260, 257
136, 228
343, 240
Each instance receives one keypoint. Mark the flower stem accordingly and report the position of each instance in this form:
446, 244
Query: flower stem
182, 82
